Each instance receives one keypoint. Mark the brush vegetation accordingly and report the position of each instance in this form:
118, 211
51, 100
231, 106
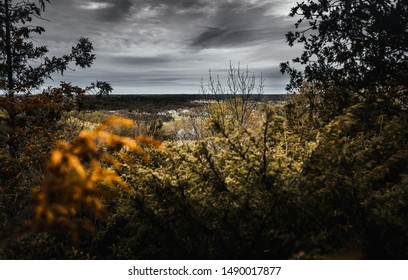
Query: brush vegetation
322, 175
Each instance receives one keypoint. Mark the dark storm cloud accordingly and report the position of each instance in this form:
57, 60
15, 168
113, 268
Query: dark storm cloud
208, 37
171, 44
178, 4
211, 23
117, 10
241, 23
217, 37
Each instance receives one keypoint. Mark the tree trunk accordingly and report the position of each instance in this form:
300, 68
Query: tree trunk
9, 61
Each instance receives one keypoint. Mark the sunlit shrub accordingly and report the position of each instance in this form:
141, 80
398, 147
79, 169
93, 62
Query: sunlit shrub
78, 174
220, 197
95, 117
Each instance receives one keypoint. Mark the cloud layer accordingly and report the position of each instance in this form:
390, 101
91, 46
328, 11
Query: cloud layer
161, 46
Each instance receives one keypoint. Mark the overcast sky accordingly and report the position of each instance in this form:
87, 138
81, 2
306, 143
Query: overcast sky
167, 46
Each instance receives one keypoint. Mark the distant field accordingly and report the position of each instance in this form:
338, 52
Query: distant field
154, 103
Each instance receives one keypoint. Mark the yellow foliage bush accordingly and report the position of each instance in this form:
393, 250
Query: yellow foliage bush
79, 175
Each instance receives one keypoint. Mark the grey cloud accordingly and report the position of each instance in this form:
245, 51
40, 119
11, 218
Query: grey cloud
208, 37
233, 37
139, 60
119, 10
176, 4
240, 23
271, 73
160, 80
116, 10
142, 43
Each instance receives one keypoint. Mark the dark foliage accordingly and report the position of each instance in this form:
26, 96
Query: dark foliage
357, 45
18, 71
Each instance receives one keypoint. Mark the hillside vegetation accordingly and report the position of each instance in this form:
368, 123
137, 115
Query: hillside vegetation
323, 175
279, 184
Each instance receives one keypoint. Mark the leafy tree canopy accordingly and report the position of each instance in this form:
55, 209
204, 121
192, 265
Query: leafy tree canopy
23, 65
351, 44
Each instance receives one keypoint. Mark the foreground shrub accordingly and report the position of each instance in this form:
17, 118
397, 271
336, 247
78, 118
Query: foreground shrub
268, 189
355, 184
33, 127
221, 197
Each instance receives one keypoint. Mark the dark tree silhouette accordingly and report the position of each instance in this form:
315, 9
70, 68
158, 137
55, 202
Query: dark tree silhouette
24, 66
350, 44
99, 88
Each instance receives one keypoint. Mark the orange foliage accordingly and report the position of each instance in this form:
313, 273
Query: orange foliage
78, 174
32, 128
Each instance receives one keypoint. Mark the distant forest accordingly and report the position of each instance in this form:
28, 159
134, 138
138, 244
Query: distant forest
160, 102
